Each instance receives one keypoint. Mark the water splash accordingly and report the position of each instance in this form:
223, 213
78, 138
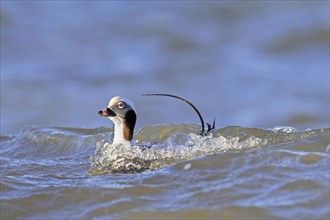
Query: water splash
153, 155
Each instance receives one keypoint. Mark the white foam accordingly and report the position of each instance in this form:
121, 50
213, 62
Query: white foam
179, 146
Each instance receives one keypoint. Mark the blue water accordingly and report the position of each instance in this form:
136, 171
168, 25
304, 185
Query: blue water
252, 65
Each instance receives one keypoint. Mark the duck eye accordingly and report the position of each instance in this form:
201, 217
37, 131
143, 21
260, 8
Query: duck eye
121, 105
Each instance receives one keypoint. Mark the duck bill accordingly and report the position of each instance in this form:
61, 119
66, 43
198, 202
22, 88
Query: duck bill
107, 112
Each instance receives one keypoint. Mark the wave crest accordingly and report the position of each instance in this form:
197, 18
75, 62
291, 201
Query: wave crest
153, 155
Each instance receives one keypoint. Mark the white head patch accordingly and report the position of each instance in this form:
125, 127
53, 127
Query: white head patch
117, 99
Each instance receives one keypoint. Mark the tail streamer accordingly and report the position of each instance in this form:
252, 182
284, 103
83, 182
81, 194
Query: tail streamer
209, 126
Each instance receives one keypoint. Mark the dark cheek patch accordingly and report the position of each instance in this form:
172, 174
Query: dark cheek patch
129, 125
110, 112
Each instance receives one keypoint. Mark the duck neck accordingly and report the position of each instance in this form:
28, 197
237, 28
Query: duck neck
124, 128
119, 137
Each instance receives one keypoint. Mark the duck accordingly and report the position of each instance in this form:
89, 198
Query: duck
118, 157
121, 111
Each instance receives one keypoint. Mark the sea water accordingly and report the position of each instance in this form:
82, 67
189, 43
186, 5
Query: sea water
49, 172
262, 66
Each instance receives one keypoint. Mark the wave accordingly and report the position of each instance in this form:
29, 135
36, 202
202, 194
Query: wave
166, 144
154, 147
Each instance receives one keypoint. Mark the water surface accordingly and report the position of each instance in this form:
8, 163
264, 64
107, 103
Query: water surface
49, 172
260, 68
